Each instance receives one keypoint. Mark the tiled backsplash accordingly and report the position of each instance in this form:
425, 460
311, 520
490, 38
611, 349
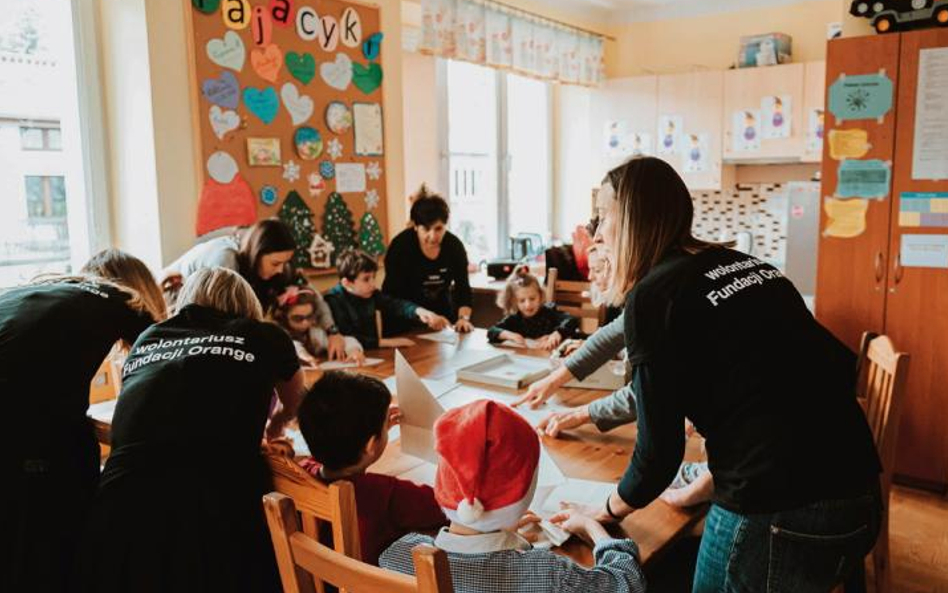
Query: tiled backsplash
760, 209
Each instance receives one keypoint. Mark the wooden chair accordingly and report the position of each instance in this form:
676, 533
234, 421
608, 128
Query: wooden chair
316, 502
572, 297
881, 375
300, 557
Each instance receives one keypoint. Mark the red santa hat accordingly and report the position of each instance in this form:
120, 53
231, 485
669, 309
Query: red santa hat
488, 468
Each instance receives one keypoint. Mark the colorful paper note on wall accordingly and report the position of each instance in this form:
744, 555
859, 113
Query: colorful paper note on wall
863, 179
864, 96
918, 209
745, 130
814, 137
776, 117
846, 218
930, 144
367, 122
695, 153
848, 144
924, 251
669, 133
350, 177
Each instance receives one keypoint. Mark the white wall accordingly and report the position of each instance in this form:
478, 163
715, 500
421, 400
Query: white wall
574, 163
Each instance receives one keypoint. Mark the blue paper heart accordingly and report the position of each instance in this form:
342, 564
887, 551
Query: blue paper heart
262, 103
372, 45
327, 169
223, 90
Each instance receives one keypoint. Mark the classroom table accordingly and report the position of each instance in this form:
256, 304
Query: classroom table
583, 453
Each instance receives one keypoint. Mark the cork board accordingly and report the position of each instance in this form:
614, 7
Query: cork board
289, 120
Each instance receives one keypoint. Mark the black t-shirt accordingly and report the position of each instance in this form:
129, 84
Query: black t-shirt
440, 285
202, 378
53, 337
726, 340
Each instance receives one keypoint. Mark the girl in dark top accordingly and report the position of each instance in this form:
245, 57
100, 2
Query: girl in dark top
528, 317
726, 340
54, 334
178, 507
427, 264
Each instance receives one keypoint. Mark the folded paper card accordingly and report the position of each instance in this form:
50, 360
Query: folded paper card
420, 410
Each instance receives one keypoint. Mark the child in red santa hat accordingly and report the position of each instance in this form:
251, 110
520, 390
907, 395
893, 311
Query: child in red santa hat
485, 482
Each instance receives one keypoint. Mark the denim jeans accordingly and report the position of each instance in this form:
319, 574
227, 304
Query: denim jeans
808, 549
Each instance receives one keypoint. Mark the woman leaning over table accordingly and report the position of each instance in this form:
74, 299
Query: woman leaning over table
179, 505
724, 339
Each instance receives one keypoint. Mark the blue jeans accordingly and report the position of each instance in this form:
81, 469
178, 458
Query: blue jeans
809, 549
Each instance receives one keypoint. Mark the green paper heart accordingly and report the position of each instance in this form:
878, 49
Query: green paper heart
301, 66
206, 6
366, 78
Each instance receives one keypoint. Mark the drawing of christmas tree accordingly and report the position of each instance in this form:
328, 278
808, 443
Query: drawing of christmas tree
297, 215
370, 235
338, 226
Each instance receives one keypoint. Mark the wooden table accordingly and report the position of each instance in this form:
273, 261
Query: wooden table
584, 453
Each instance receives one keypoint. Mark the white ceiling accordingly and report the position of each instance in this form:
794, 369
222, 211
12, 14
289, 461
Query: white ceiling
611, 11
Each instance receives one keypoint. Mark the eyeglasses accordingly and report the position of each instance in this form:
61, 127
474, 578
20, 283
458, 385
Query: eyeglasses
302, 318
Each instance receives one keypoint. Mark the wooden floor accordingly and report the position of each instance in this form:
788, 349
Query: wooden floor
919, 542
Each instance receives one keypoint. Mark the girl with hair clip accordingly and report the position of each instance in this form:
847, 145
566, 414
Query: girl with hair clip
528, 316
302, 312
54, 334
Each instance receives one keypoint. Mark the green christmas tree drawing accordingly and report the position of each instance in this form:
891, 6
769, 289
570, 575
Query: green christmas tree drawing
338, 226
297, 215
370, 235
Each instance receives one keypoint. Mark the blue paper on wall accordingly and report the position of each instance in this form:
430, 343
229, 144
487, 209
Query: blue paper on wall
863, 179
864, 96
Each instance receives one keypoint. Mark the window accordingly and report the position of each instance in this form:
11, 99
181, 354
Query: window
32, 138
46, 198
496, 138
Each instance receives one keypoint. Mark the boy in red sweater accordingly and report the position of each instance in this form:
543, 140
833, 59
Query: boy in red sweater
345, 419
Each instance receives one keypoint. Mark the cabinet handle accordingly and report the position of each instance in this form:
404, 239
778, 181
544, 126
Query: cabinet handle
897, 267
879, 267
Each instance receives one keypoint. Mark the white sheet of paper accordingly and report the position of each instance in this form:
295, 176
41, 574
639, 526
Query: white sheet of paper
423, 474
350, 177
335, 365
103, 411
367, 126
548, 473
420, 410
445, 336
530, 343
924, 251
299, 444
579, 491
930, 153
437, 387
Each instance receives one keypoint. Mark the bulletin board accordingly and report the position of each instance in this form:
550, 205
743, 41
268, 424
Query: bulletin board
289, 120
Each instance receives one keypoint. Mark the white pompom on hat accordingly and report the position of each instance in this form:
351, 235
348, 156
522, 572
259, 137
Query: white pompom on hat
488, 468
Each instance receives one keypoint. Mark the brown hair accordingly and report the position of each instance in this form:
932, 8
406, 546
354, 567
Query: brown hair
266, 236
353, 262
519, 278
223, 290
292, 297
653, 218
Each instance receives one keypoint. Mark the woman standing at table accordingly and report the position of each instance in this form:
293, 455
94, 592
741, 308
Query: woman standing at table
179, 503
724, 339
427, 264
54, 334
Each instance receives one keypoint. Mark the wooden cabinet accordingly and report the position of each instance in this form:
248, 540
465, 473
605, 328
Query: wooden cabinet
698, 98
744, 91
632, 102
861, 282
814, 94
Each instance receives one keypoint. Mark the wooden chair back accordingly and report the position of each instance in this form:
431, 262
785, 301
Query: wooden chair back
316, 502
572, 297
300, 557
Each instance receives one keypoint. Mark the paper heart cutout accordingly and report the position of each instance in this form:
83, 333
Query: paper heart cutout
223, 121
221, 167
267, 62
366, 78
301, 66
337, 74
371, 46
263, 103
228, 204
223, 90
299, 106
206, 6
227, 52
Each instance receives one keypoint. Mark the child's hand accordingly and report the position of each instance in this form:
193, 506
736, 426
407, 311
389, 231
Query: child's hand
357, 356
395, 343
509, 336
394, 415
463, 326
551, 341
577, 520
336, 347
529, 520
432, 320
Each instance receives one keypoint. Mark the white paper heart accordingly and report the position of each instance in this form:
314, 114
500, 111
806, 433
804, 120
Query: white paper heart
299, 106
223, 121
228, 52
221, 167
337, 74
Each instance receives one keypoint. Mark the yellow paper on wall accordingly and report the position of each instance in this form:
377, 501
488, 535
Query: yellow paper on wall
848, 144
847, 218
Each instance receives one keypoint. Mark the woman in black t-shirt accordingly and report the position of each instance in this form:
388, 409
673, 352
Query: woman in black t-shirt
54, 334
724, 339
427, 264
179, 505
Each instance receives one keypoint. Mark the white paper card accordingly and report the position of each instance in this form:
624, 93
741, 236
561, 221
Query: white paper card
367, 124
350, 178
336, 365
103, 411
584, 492
423, 474
529, 343
445, 336
924, 251
930, 152
745, 130
420, 410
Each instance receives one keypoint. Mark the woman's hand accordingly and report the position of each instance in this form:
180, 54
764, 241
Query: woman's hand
695, 493
432, 319
543, 389
580, 521
336, 347
463, 326
570, 347
551, 341
557, 422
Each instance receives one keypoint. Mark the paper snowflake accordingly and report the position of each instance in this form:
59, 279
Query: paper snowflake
371, 199
373, 170
334, 148
291, 171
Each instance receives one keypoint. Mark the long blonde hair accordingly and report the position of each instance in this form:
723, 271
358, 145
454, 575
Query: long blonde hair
223, 290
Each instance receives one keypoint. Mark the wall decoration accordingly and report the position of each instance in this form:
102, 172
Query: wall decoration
262, 103
350, 178
236, 14
370, 235
367, 122
776, 117
261, 26
338, 117
307, 23
300, 107
923, 209
308, 142
206, 6
263, 152
338, 226
616, 139
227, 52
328, 34
930, 141
371, 199
863, 179
351, 27
334, 148
815, 131
267, 61
696, 153
372, 45
320, 252
223, 90
641, 144
745, 130
223, 121
373, 170
291, 171
222, 167
281, 11
864, 96
845, 218
924, 251
225, 205
299, 218
302, 66
338, 73
268, 195
669, 133
848, 144
366, 78
316, 184
327, 169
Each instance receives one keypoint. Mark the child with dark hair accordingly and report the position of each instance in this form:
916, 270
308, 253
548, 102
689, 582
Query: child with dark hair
345, 420
356, 298
528, 316
304, 315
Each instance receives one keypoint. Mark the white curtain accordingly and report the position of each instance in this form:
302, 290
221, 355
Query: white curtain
486, 34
